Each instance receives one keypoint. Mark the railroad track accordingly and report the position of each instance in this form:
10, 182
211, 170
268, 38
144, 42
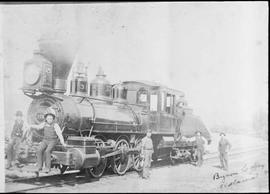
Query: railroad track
75, 178
235, 152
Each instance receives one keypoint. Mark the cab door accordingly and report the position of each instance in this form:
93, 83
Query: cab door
167, 113
154, 114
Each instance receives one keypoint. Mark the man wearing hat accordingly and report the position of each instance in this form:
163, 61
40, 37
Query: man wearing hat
52, 132
223, 147
18, 134
147, 151
200, 147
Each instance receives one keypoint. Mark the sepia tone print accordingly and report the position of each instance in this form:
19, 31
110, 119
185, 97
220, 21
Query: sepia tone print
135, 97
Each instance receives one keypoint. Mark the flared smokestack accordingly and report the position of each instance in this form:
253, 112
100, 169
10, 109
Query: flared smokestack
61, 53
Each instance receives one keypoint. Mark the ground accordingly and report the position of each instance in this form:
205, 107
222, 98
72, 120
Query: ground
248, 172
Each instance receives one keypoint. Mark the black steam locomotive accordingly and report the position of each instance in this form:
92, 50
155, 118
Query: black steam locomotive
104, 123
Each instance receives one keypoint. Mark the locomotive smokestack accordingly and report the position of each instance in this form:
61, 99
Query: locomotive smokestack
61, 53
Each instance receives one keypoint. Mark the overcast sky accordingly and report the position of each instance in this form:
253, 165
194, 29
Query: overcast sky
216, 53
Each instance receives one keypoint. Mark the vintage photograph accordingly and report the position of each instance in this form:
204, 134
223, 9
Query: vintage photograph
137, 97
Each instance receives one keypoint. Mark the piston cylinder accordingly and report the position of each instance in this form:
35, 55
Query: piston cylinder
81, 160
82, 153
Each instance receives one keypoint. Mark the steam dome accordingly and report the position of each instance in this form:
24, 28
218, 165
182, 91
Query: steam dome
100, 87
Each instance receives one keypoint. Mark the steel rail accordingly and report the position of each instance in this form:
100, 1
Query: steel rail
156, 165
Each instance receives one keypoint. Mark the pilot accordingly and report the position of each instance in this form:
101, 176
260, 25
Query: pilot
147, 151
200, 147
179, 137
18, 134
223, 147
52, 132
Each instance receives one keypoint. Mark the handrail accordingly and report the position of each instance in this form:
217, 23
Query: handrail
106, 100
134, 114
94, 116
115, 123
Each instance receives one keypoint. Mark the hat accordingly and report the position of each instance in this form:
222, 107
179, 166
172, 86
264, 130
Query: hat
49, 114
19, 113
222, 133
49, 111
149, 130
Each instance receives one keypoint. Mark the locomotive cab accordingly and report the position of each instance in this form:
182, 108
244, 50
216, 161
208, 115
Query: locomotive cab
157, 101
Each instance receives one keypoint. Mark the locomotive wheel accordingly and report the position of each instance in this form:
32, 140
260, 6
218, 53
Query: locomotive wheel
137, 159
120, 162
62, 168
98, 170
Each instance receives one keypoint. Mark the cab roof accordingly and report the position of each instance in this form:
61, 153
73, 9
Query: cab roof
153, 86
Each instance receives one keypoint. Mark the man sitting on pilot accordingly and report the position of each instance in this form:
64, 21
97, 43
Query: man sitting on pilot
52, 132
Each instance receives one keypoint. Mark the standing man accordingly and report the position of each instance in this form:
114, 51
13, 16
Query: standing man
223, 147
52, 132
147, 151
200, 147
18, 134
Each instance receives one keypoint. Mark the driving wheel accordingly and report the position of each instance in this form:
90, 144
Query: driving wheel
121, 162
137, 159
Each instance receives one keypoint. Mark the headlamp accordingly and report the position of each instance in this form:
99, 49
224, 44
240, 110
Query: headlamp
31, 74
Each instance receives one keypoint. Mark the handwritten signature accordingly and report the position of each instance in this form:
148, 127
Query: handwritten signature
245, 174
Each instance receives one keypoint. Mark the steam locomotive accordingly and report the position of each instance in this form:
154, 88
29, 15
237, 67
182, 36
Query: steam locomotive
103, 123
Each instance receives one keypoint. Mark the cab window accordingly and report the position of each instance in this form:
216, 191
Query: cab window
162, 101
170, 101
153, 102
142, 96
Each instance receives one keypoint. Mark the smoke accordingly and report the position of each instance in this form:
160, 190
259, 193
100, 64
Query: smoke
26, 28
210, 55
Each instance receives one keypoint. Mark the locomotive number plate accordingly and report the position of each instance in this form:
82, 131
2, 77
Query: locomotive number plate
40, 116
